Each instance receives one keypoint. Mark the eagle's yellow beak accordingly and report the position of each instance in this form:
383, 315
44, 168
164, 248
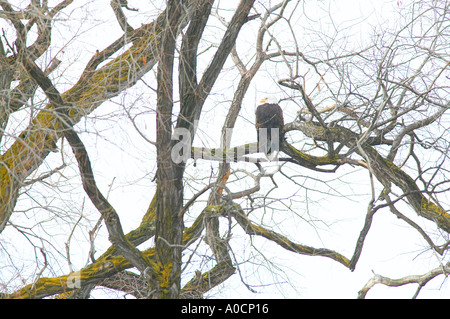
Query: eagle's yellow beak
263, 100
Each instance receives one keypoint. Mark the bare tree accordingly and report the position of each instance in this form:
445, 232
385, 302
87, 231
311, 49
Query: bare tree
377, 106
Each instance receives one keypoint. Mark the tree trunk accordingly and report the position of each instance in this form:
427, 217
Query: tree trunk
169, 192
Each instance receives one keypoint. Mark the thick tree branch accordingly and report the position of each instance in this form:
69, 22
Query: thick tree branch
121, 18
108, 264
110, 216
252, 229
202, 283
94, 87
421, 280
385, 171
195, 95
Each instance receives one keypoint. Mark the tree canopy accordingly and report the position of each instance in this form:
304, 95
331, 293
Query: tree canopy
129, 163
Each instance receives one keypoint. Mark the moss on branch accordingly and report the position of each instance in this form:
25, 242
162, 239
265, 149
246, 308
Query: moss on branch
384, 170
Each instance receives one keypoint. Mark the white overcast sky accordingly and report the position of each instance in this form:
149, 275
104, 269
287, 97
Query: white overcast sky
391, 249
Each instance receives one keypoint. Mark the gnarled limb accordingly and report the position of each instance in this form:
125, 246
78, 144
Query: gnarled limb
250, 228
421, 280
384, 170
94, 87
108, 213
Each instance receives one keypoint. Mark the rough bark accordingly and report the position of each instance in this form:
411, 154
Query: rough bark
383, 169
169, 223
93, 88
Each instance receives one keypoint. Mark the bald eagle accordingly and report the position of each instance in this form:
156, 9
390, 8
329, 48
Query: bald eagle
269, 127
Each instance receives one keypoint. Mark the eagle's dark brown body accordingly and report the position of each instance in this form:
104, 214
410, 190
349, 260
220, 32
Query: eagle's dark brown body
269, 116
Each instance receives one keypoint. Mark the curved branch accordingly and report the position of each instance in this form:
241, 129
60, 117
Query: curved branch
108, 264
109, 214
252, 229
384, 170
421, 280
121, 18
94, 87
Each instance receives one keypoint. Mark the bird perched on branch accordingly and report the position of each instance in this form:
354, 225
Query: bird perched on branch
269, 126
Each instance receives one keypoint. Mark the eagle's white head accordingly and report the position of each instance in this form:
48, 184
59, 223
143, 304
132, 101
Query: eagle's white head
268, 99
